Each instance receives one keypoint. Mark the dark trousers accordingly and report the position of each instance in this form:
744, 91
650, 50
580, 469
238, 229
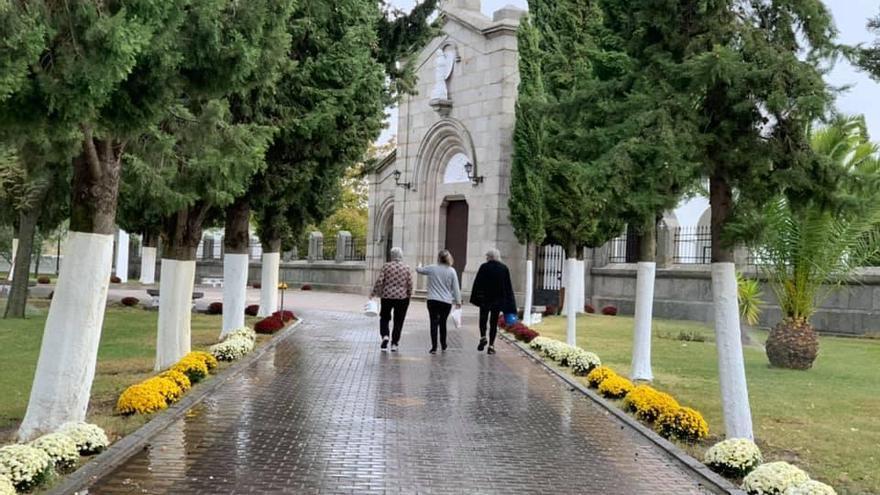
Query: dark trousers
492, 316
438, 312
399, 307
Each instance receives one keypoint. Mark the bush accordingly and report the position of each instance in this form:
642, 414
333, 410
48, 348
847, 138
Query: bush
589, 308
269, 326
215, 308
609, 311
615, 387
252, 310
60, 448
527, 335
206, 357
166, 386
144, 397
774, 478
538, 343
551, 310
115, 280
194, 368
26, 467
257, 285
306, 287
811, 487
733, 458
181, 380
649, 404
6, 486
90, 439
683, 424
599, 375
584, 362
42, 279
130, 301
284, 315
233, 348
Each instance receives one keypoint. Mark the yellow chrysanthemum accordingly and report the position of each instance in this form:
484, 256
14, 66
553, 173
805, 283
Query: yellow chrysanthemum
166, 386
141, 398
179, 378
615, 387
193, 367
684, 424
207, 357
599, 375
648, 404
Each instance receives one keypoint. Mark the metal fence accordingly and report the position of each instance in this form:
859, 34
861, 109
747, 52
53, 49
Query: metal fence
693, 245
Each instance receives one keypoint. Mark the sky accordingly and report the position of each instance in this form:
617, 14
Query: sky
850, 16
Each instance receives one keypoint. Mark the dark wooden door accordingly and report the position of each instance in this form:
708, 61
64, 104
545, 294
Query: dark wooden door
457, 233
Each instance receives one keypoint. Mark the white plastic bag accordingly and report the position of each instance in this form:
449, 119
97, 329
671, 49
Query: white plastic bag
456, 317
371, 308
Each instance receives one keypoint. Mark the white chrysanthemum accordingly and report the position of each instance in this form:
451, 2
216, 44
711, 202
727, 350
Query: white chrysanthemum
60, 448
232, 348
773, 478
735, 457
243, 332
811, 487
90, 439
539, 342
25, 466
583, 362
6, 486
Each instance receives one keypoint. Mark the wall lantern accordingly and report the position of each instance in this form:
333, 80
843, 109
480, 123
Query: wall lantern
397, 174
469, 168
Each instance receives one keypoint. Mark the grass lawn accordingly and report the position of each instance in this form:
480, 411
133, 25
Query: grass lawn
128, 347
825, 420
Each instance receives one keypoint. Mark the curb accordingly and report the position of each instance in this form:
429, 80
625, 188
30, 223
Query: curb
706, 477
121, 451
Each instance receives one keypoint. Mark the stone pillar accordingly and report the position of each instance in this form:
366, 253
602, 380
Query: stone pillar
122, 242
316, 246
665, 247
344, 246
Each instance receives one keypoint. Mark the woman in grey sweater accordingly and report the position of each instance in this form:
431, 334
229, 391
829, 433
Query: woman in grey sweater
443, 292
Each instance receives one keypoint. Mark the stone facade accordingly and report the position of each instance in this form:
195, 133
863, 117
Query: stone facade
416, 194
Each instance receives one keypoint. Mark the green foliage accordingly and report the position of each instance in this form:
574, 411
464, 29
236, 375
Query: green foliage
400, 35
748, 292
869, 58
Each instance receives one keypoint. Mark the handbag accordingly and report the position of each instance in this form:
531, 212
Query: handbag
456, 317
371, 309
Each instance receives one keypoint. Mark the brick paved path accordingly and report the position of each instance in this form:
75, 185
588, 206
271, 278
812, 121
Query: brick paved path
326, 412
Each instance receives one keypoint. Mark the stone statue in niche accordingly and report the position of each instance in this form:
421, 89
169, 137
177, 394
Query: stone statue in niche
444, 63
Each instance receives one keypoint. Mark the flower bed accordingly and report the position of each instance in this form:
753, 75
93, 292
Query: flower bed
42, 279
269, 326
24, 466
284, 315
235, 346
609, 311
157, 393
60, 448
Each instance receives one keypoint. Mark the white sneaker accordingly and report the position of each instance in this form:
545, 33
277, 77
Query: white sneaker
385, 343
393, 347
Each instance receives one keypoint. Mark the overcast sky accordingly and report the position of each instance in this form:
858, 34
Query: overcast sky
850, 16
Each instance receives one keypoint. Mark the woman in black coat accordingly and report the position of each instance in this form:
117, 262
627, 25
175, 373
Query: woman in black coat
493, 293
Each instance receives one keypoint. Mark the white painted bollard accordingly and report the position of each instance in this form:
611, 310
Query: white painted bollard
570, 301
527, 311
148, 265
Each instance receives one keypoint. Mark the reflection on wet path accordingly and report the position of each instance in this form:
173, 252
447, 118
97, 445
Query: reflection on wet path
326, 412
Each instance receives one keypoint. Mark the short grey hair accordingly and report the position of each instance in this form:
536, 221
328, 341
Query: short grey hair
493, 254
396, 254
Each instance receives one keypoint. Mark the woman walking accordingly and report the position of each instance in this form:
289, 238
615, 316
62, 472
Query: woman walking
443, 292
394, 287
493, 293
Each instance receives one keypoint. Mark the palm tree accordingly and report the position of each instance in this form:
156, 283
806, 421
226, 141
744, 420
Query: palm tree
809, 250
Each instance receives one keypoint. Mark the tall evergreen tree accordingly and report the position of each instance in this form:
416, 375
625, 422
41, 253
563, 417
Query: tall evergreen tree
868, 58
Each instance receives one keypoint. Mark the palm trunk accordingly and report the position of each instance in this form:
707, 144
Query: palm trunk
235, 265
647, 267
17, 302
68, 355
731, 367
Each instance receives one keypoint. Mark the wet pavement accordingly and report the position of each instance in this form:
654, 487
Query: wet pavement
326, 411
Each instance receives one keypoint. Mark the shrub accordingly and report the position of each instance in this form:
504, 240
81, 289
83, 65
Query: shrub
130, 301
615, 387
243, 332
42, 279
648, 404
257, 285
599, 375
811, 487
208, 358
144, 398
683, 424
166, 386
6, 486
559, 352
733, 458
589, 308
60, 448
90, 439
306, 287
194, 368
232, 348
538, 343
551, 310
773, 478
25, 466
609, 311
516, 328
284, 315
181, 380
527, 335
269, 326
252, 310
115, 280
215, 308
584, 362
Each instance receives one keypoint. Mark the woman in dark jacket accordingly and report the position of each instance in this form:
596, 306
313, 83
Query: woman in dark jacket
493, 293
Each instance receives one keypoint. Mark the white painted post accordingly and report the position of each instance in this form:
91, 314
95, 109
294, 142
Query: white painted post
69, 352
148, 265
527, 310
269, 283
235, 275
122, 239
12, 263
570, 301
641, 358
731, 367
173, 340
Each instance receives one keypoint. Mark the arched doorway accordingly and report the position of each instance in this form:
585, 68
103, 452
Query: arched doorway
457, 233
388, 234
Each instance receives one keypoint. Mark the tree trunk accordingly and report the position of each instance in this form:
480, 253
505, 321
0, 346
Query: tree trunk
731, 367
38, 252
14, 249
235, 265
530, 284
68, 355
148, 258
122, 246
269, 277
647, 267
571, 297
17, 302
174, 337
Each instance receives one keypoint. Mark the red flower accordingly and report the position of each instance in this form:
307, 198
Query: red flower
252, 310
609, 311
215, 308
285, 316
269, 325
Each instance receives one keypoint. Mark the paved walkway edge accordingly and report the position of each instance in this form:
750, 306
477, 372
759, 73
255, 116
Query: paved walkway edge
709, 477
121, 451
